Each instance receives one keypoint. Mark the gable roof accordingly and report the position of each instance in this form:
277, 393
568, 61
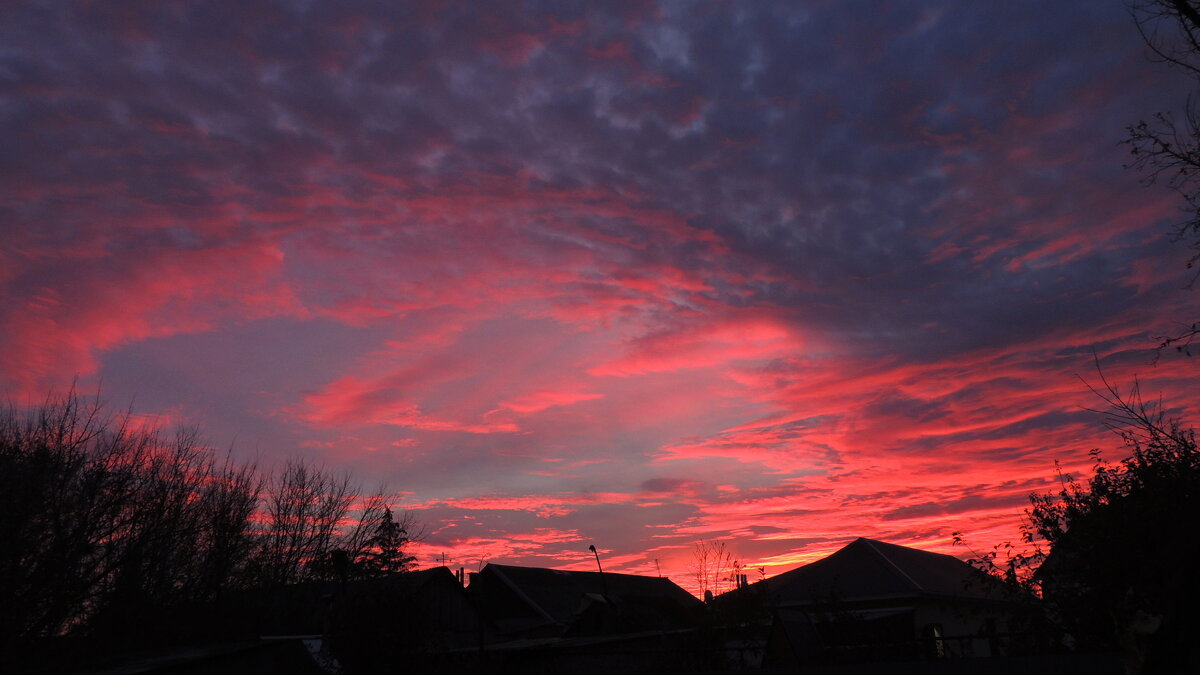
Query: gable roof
559, 596
866, 569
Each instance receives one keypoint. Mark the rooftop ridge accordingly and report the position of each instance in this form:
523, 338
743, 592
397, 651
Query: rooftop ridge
871, 545
521, 594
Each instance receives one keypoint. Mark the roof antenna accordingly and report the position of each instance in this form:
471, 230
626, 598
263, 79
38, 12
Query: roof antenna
603, 581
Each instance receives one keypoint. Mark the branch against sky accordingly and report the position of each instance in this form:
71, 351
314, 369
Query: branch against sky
1167, 147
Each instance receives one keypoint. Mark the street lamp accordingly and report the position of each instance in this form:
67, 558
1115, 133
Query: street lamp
603, 581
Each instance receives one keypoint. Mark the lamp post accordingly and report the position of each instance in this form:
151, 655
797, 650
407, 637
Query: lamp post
603, 581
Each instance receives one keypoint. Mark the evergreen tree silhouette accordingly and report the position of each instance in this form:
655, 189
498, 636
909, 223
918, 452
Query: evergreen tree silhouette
385, 552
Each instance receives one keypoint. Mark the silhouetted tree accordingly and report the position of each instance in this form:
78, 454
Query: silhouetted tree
104, 522
713, 567
304, 509
1123, 546
1167, 147
227, 504
385, 550
357, 541
309, 512
115, 530
56, 506
1010, 569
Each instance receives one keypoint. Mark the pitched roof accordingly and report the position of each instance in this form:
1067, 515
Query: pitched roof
559, 596
401, 584
866, 569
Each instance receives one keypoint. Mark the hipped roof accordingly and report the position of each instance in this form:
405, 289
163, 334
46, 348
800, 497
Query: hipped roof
866, 569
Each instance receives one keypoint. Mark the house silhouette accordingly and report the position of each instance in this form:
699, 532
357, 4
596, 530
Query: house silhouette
527, 602
867, 571
872, 600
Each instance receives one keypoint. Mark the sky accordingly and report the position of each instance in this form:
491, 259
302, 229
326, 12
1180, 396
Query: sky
631, 274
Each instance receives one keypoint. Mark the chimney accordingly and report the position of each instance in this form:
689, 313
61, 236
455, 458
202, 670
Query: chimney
472, 577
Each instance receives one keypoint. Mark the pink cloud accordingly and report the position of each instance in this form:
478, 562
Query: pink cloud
708, 344
541, 400
350, 400
543, 505
58, 330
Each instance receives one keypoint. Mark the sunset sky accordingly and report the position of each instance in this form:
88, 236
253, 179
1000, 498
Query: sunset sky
624, 273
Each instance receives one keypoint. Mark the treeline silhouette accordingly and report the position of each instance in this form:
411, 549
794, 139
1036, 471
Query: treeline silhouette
113, 532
